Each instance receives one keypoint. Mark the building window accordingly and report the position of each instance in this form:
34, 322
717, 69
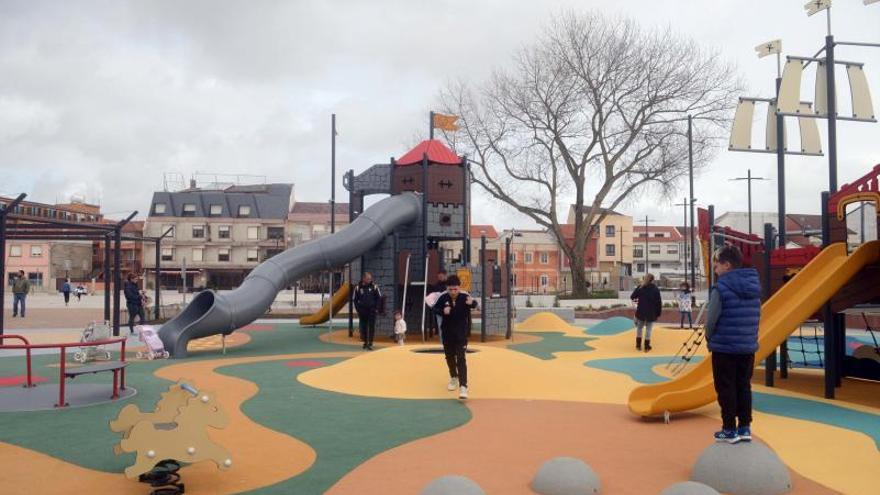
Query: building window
253, 255
640, 267
165, 229
638, 252
198, 254
198, 231
671, 249
244, 211
514, 280
528, 258
223, 254
545, 258
167, 254
544, 280
609, 231
189, 209
15, 251
36, 278
655, 265
159, 208
654, 249
642, 234
36, 251
513, 257
253, 233
275, 232
223, 232
216, 210
610, 249
659, 234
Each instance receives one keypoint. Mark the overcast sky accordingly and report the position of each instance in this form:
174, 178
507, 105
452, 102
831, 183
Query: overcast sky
100, 98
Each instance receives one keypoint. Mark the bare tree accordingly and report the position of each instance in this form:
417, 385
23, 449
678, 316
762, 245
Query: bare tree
596, 106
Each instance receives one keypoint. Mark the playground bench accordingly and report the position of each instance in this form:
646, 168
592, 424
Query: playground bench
118, 369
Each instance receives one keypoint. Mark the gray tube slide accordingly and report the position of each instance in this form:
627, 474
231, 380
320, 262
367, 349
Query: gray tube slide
211, 313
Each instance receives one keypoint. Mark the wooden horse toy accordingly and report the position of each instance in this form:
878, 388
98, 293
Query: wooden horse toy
166, 409
184, 438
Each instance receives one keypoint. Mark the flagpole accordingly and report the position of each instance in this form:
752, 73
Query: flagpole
431, 125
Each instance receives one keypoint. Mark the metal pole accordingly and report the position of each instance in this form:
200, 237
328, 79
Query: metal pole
483, 312
647, 236
117, 277
431, 125
691, 179
157, 275
862, 222
749, 188
832, 110
827, 313
770, 362
509, 287
333, 175
107, 277
780, 167
711, 245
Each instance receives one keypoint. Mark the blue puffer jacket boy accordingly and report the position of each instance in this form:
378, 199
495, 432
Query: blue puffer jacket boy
734, 312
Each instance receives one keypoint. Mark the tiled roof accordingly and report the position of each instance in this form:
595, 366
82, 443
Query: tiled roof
476, 231
437, 153
268, 201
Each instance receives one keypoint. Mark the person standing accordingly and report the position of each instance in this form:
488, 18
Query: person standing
65, 290
455, 307
685, 305
20, 289
734, 314
649, 306
133, 301
367, 298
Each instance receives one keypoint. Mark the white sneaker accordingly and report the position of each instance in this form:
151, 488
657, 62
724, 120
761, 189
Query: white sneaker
453, 384
462, 393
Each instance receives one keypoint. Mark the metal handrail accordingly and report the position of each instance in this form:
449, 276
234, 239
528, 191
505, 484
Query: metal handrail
63, 361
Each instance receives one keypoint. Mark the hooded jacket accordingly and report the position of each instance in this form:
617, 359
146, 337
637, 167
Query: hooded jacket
736, 330
650, 304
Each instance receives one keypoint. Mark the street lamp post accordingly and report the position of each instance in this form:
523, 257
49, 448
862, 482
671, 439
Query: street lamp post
749, 180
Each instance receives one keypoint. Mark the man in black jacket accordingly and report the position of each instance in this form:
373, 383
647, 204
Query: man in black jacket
434, 320
133, 300
455, 308
367, 298
649, 306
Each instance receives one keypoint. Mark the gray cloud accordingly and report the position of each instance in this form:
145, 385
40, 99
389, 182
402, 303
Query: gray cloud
101, 97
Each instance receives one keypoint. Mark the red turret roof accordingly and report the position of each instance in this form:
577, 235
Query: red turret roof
437, 153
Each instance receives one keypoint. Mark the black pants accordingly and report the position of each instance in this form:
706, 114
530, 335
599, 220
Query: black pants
66, 297
456, 359
733, 383
133, 311
367, 324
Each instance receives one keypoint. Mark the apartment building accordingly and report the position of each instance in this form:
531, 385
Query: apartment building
609, 253
48, 262
659, 250
219, 234
535, 260
311, 220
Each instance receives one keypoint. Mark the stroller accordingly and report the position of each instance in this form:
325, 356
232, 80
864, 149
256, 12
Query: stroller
154, 347
95, 332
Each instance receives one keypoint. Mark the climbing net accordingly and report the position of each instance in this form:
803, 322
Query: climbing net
809, 346
689, 347
870, 331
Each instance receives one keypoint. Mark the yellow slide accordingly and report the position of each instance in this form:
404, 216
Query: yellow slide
796, 301
339, 299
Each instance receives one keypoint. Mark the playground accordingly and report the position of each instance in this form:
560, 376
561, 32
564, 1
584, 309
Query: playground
286, 406
309, 412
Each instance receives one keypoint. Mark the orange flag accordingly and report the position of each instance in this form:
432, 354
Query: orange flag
445, 122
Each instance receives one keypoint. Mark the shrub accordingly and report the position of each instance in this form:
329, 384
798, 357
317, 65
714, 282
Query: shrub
529, 302
556, 302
